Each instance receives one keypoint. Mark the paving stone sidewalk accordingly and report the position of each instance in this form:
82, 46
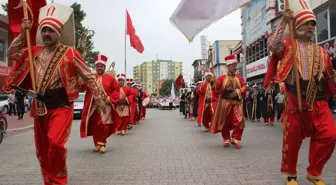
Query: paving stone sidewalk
164, 149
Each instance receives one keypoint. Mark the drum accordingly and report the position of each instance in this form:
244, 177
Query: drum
145, 101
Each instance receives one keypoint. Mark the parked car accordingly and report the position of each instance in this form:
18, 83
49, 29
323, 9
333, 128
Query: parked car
166, 104
27, 105
4, 103
78, 106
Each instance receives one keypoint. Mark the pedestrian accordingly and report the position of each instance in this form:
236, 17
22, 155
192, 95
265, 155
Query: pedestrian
317, 85
269, 106
229, 112
11, 102
183, 102
19, 100
279, 98
256, 99
246, 103
53, 110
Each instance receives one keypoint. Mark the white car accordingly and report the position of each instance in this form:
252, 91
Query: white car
4, 103
166, 104
78, 106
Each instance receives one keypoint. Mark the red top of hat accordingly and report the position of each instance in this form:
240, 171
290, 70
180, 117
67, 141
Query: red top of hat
100, 58
230, 57
121, 75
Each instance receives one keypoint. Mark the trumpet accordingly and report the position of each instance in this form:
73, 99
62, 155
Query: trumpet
82, 41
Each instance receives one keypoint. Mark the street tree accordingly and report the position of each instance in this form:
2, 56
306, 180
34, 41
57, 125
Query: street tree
5, 8
79, 18
166, 87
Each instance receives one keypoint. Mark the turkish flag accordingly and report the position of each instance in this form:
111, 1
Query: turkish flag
180, 81
15, 16
134, 39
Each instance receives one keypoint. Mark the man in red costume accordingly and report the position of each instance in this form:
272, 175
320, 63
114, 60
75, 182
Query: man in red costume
123, 106
57, 67
136, 96
317, 84
143, 108
95, 123
229, 112
133, 105
207, 101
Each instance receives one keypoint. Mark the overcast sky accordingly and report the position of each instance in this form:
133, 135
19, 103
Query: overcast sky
151, 21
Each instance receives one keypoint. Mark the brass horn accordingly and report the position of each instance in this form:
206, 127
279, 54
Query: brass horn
82, 41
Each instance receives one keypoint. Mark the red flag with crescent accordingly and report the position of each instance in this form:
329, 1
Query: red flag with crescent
180, 81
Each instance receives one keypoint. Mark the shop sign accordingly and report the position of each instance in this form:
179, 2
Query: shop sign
4, 70
257, 68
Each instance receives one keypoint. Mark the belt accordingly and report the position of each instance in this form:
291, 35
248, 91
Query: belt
226, 95
55, 98
292, 88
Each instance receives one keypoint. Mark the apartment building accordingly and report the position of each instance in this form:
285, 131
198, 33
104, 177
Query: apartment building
151, 72
5, 65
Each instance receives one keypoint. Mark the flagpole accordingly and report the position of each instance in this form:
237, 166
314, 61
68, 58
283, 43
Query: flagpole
125, 38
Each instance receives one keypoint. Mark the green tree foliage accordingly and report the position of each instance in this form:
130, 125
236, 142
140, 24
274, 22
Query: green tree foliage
79, 18
5, 8
166, 87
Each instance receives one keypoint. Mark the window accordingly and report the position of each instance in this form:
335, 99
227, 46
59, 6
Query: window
322, 26
333, 21
2, 50
257, 50
326, 27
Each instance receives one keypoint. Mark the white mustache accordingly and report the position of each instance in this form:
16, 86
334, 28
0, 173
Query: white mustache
301, 33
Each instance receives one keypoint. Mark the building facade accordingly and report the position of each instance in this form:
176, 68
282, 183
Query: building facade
5, 65
199, 66
256, 26
150, 73
137, 73
325, 11
216, 54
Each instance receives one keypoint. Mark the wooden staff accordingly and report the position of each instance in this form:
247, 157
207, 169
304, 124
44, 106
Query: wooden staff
30, 54
296, 71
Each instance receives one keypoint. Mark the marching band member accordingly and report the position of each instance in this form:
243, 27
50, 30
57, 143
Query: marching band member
95, 123
317, 84
58, 66
123, 106
229, 112
207, 101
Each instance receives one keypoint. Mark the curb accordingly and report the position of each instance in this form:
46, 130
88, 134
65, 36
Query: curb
19, 130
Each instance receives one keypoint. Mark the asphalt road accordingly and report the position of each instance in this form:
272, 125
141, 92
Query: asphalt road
164, 149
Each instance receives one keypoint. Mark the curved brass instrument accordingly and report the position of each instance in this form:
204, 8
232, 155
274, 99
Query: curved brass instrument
82, 41
112, 71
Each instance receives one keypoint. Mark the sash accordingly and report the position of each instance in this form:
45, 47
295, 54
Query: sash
107, 117
313, 84
122, 110
51, 67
